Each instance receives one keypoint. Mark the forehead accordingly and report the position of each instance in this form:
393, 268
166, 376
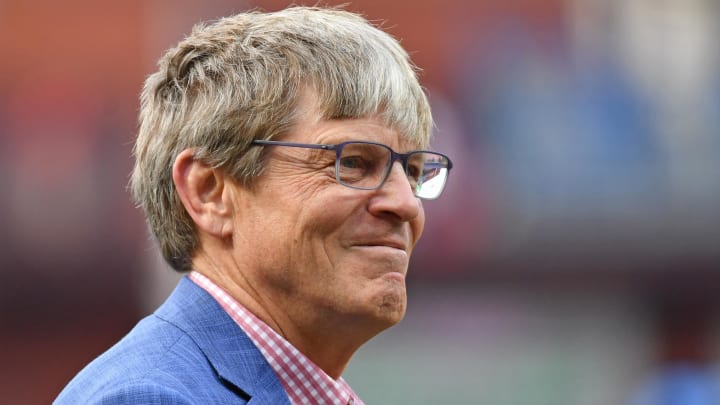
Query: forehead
312, 126
371, 129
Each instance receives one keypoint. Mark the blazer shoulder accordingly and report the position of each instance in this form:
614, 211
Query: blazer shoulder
156, 360
188, 349
130, 392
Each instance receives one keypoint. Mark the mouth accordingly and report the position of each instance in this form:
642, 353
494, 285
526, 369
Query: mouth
387, 257
390, 257
388, 244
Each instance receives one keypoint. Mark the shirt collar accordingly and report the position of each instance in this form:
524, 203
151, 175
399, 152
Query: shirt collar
303, 380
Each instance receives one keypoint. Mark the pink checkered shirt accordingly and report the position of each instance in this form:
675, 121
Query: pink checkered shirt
303, 380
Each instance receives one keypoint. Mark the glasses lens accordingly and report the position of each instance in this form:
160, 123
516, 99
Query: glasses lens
363, 165
366, 165
427, 173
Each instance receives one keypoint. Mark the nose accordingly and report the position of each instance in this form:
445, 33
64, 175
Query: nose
395, 197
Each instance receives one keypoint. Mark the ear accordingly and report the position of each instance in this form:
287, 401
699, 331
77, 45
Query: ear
206, 194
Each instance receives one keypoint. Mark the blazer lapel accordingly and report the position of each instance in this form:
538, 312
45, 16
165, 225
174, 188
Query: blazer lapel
229, 350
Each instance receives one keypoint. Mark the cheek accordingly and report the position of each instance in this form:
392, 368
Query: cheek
330, 209
315, 232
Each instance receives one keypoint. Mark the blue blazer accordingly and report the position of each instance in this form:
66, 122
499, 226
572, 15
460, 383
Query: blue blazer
188, 352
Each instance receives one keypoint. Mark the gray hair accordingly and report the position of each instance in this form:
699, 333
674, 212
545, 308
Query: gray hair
240, 79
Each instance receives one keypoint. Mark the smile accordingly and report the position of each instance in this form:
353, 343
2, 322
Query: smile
390, 244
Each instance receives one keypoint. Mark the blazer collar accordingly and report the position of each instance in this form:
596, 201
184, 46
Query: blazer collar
234, 356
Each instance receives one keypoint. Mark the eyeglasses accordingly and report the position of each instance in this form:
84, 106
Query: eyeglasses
366, 165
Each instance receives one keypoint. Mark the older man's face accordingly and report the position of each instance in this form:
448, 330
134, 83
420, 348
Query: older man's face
324, 253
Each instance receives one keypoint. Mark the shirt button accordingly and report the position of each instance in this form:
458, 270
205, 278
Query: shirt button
351, 401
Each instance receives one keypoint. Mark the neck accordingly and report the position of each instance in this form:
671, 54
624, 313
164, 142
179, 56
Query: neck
328, 340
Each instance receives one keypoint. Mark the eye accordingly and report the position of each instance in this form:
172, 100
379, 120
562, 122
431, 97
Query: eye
362, 164
413, 171
354, 162
353, 169
415, 166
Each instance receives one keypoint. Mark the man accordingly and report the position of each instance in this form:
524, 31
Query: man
280, 160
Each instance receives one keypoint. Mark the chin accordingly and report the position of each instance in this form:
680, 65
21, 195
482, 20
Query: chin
392, 307
383, 304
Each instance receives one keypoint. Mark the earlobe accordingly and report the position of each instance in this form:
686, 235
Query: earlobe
204, 192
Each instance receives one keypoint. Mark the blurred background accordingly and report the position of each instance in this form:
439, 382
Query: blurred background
574, 259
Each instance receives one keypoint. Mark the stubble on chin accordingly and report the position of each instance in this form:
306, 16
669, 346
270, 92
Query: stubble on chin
392, 305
